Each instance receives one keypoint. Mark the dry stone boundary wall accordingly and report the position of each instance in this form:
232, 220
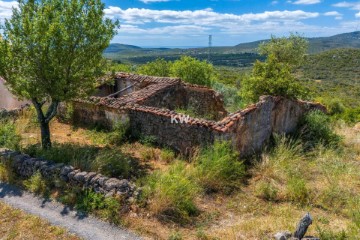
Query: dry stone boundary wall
26, 166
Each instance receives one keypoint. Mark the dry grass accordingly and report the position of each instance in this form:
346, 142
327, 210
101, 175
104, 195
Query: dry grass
15, 224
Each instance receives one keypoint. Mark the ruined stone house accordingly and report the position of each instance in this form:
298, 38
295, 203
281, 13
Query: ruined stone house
150, 104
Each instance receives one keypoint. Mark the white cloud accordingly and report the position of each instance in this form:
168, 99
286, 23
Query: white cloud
357, 15
150, 1
205, 17
337, 15
306, 2
351, 5
6, 9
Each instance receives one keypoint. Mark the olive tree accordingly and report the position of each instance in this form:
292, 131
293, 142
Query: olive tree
51, 51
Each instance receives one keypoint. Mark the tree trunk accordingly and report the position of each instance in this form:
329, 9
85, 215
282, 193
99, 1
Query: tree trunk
45, 135
44, 120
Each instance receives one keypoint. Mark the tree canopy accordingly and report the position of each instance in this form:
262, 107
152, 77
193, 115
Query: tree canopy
193, 71
51, 52
275, 75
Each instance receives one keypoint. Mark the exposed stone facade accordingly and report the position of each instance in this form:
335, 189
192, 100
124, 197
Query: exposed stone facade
150, 111
26, 166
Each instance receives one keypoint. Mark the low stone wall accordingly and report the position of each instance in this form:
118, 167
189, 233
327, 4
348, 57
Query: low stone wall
4, 113
26, 166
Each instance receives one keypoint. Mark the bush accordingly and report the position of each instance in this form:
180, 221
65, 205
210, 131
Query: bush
266, 190
316, 129
148, 140
296, 190
159, 67
113, 163
119, 133
325, 234
232, 98
218, 167
172, 193
193, 71
90, 201
36, 183
8, 136
271, 78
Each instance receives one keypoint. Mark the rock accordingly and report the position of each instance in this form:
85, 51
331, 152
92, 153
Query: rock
302, 226
282, 235
66, 170
80, 177
112, 183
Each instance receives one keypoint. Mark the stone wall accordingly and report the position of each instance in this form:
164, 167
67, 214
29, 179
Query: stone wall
204, 101
169, 130
26, 166
251, 128
248, 129
4, 113
90, 114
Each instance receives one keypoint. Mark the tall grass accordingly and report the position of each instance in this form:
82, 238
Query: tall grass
172, 193
218, 168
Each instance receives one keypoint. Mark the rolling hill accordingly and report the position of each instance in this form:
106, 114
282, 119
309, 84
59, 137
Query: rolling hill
241, 55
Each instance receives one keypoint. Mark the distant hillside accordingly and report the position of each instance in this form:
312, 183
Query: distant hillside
334, 74
242, 55
118, 47
345, 40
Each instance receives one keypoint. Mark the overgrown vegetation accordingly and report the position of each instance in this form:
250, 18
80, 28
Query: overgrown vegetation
8, 136
218, 168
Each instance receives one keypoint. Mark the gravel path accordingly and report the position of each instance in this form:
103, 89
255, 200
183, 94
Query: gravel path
84, 226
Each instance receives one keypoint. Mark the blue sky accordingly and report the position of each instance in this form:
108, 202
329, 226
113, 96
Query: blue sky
189, 22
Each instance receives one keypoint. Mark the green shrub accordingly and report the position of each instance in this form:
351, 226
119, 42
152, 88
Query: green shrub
218, 167
119, 133
112, 163
232, 99
326, 234
159, 67
193, 71
36, 183
90, 201
267, 191
352, 115
8, 136
316, 129
297, 190
175, 236
335, 106
148, 140
172, 193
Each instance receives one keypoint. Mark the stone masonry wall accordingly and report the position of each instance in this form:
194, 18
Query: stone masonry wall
168, 129
26, 166
204, 101
248, 129
96, 115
